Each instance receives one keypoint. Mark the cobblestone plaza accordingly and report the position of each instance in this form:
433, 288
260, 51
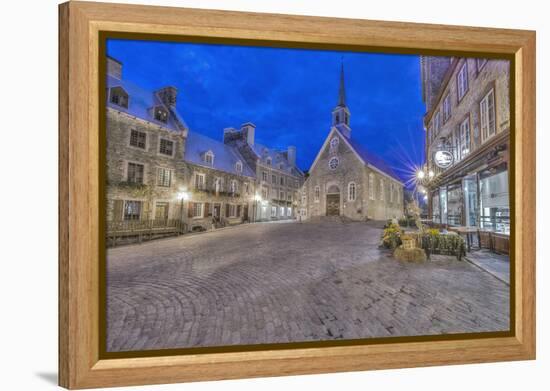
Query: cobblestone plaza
289, 282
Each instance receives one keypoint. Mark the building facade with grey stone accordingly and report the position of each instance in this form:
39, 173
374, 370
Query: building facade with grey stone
347, 180
467, 126
159, 170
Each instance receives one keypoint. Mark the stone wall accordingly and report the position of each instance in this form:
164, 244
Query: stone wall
494, 74
119, 153
208, 196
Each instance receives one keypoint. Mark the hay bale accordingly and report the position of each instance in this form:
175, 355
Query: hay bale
410, 254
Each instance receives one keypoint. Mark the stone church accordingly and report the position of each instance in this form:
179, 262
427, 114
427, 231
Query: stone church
346, 180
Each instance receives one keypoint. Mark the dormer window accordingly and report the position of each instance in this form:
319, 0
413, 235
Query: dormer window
119, 97
160, 114
209, 158
280, 166
268, 161
239, 167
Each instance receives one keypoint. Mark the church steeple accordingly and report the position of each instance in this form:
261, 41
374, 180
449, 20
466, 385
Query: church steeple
341, 114
342, 91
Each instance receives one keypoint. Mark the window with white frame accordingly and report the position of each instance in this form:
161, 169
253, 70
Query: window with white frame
264, 176
119, 97
239, 167
199, 181
232, 210
274, 193
164, 177
381, 189
160, 114
456, 144
289, 196
274, 179
462, 80
268, 161
487, 115
246, 188
282, 181
135, 173
465, 137
166, 147
351, 191
132, 210
234, 187
264, 193
281, 195
317, 194
371, 186
209, 157
138, 139
447, 108
197, 210
437, 123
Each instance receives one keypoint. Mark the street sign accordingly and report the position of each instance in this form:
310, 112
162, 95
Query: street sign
443, 159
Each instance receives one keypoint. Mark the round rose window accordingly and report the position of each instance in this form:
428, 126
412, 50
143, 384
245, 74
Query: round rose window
333, 163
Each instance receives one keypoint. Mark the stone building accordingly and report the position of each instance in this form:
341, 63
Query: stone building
145, 148
468, 141
159, 170
347, 180
278, 179
221, 185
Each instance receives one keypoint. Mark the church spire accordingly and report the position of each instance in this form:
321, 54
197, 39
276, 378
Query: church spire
342, 91
341, 114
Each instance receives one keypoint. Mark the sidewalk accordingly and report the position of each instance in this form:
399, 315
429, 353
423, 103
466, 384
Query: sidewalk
495, 264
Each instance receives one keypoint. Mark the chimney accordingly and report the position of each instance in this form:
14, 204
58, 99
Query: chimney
291, 155
114, 68
230, 135
248, 129
168, 96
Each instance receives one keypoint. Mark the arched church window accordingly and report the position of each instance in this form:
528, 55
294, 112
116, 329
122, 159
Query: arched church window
351, 191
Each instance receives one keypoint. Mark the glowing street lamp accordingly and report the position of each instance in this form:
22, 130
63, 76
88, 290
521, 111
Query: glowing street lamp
420, 174
431, 174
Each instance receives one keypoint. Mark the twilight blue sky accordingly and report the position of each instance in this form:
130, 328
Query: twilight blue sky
288, 93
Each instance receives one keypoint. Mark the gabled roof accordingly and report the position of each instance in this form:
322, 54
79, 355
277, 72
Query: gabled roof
365, 156
225, 156
140, 102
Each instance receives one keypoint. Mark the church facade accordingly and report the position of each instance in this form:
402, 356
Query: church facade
347, 180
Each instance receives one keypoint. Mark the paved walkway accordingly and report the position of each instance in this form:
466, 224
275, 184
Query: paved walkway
269, 283
496, 264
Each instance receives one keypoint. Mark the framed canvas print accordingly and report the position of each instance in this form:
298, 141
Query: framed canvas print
247, 195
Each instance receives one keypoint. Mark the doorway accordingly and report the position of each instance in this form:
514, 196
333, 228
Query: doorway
333, 204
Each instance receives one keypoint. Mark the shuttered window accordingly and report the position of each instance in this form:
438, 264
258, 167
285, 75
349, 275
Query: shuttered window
487, 114
164, 177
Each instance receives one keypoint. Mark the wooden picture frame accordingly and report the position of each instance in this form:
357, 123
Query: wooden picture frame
80, 364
